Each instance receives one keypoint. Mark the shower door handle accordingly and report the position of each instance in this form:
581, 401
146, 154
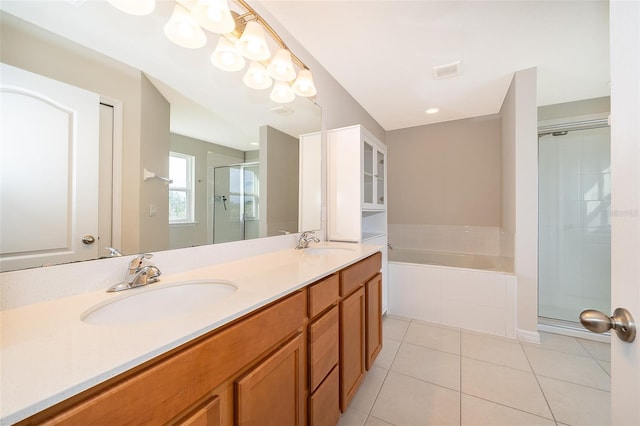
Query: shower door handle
621, 321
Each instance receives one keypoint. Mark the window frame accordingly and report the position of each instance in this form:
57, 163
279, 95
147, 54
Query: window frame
188, 190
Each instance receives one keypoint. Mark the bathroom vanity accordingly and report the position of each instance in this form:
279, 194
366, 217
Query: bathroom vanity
289, 347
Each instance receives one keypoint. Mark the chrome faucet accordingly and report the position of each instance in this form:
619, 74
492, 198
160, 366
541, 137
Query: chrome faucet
138, 274
305, 238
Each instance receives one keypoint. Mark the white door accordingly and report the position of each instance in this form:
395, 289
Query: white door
49, 166
625, 207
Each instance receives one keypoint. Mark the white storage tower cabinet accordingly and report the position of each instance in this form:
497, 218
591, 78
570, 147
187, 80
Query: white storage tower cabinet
357, 191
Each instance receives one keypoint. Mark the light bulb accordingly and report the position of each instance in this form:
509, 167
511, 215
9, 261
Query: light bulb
252, 44
282, 93
303, 86
256, 76
281, 67
214, 16
226, 57
182, 30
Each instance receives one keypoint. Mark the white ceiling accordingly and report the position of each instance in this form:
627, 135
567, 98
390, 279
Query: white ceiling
382, 52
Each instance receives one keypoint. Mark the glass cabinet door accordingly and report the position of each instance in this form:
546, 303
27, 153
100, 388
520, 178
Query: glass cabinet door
380, 179
367, 175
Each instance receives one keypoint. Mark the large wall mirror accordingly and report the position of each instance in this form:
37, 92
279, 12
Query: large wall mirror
241, 166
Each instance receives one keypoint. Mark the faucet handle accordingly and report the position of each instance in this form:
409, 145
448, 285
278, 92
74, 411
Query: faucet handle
137, 261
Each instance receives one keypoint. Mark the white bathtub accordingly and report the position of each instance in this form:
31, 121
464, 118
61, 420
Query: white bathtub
472, 292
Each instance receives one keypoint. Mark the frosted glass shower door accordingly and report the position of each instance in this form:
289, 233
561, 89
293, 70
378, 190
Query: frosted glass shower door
574, 223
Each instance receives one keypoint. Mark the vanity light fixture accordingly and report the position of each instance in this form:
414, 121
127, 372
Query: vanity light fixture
432, 110
303, 85
183, 30
256, 76
214, 16
280, 68
134, 7
226, 57
282, 93
242, 36
252, 44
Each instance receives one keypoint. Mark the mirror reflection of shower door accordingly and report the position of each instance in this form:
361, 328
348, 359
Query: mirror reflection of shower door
235, 203
574, 223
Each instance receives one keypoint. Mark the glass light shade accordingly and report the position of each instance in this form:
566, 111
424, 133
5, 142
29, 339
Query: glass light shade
214, 15
303, 85
281, 68
282, 93
252, 44
183, 30
256, 76
134, 7
226, 57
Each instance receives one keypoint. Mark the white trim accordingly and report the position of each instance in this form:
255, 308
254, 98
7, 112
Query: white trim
116, 208
528, 336
574, 332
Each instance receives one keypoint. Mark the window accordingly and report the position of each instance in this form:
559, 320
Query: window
181, 204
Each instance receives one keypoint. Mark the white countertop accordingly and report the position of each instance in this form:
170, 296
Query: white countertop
48, 354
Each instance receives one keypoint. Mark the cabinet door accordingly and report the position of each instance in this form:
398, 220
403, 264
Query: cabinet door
373, 292
323, 404
273, 393
379, 179
368, 172
352, 367
207, 414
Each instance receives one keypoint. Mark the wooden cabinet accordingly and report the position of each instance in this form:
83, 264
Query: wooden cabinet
352, 367
373, 322
206, 414
176, 383
360, 332
273, 393
296, 361
324, 332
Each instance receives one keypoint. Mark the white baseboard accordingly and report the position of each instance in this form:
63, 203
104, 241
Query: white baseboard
528, 336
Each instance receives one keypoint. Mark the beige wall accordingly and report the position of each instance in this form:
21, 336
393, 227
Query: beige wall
154, 145
520, 130
279, 177
197, 234
574, 109
446, 173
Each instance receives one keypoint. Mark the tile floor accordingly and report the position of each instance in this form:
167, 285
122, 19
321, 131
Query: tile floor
428, 374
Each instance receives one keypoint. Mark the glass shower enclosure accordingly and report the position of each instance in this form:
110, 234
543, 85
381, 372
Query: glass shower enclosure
574, 270
236, 202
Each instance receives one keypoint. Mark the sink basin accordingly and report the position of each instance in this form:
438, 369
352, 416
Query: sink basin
326, 251
158, 301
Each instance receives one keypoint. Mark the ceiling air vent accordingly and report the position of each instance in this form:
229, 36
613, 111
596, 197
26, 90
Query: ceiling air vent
282, 110
447, 70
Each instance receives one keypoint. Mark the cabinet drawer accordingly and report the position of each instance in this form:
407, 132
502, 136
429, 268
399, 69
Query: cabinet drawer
323, 404
323, 294
357, 274
323, 347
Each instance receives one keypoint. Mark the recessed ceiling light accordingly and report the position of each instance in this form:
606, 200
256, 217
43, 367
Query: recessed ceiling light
432, 110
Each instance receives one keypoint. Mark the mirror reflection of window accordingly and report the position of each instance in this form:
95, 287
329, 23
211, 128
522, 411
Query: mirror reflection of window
181, 190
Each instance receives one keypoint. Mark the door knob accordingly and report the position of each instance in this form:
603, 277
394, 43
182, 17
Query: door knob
88, 239
621, 321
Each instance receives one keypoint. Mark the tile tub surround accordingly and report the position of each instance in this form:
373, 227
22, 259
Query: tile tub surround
470, 299
484, 240
497, 381
49, 355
